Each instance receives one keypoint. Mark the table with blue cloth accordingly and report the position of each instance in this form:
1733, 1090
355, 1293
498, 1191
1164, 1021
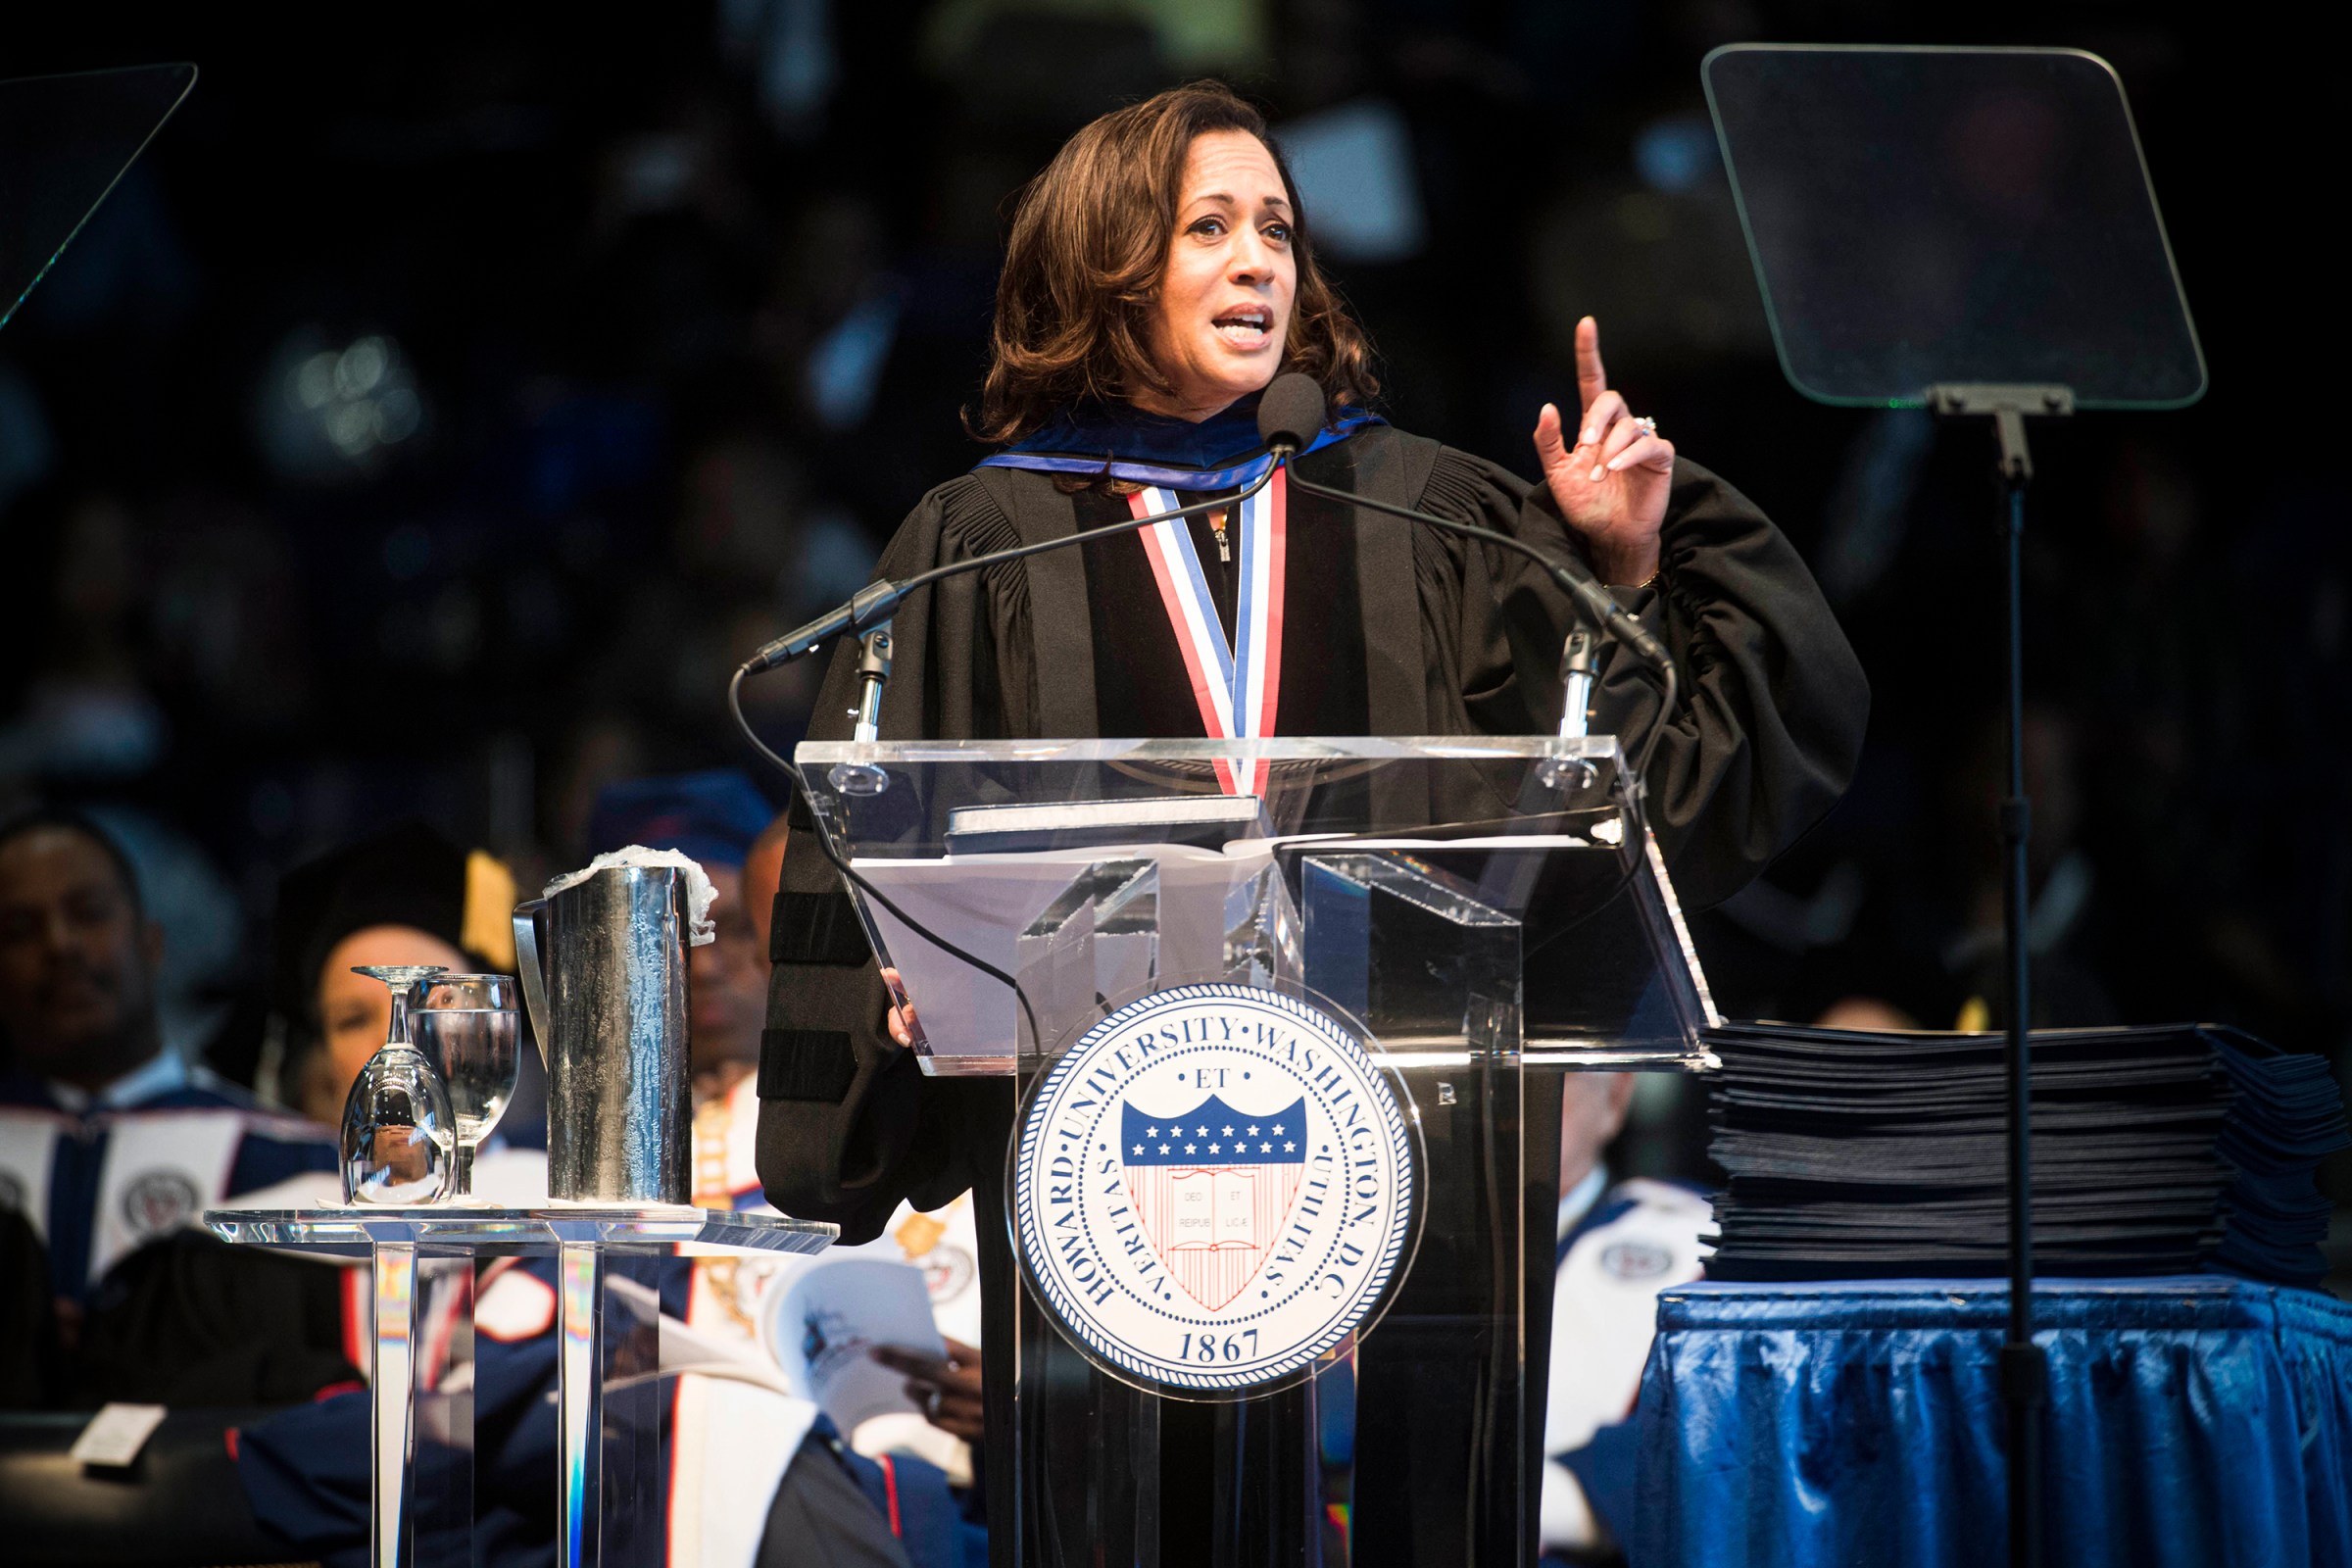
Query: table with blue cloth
2197, 1420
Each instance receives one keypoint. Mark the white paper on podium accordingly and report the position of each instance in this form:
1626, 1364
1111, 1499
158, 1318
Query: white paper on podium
982, 903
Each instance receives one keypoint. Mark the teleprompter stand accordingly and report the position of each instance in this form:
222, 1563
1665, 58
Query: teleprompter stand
2024, 1371
1971, 231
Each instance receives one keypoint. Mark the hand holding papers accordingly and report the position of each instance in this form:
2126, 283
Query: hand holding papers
947, 1389
823, 1326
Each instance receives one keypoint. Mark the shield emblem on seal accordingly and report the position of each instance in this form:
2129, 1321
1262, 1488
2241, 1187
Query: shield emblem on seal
1213, 1189
157, 1203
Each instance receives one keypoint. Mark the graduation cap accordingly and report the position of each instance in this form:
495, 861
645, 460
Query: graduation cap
406, 875
711, 817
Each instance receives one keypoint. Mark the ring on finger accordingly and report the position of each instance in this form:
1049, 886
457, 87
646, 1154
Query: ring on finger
1650, 426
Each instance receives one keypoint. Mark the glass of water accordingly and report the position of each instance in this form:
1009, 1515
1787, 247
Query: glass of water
468, 1025
396, 1120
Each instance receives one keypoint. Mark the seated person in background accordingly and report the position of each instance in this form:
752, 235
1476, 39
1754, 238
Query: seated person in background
1874, 1014
107, 1140
186, 1320
403, 895
762, 870
1619, 1247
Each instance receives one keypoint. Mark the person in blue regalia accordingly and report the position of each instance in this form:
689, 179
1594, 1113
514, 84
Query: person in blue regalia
1619, 1245
109, 1141
1158, 274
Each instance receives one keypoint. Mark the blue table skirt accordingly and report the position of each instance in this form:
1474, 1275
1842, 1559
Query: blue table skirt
2192, 1421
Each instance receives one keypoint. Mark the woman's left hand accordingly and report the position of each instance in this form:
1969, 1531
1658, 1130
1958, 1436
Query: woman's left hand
1612, 484
900, 1018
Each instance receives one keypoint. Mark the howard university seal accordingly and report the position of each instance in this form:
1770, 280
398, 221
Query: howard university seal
1213, 1187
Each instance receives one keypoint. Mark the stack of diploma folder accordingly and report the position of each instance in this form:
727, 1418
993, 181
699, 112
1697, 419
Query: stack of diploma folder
2162, 1150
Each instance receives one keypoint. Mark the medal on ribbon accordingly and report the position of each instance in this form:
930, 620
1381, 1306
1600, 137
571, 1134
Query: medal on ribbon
1236, 687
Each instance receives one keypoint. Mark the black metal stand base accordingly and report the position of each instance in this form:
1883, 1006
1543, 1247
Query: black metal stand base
2024, 1370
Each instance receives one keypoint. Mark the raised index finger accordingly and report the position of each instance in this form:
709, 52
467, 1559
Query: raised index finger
1592, 381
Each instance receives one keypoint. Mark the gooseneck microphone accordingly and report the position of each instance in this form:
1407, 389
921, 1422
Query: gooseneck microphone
1290, 416
871, 608
1294, 404
879, 600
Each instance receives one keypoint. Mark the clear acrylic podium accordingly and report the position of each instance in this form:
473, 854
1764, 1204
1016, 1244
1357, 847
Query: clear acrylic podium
609, 1393
1486, 911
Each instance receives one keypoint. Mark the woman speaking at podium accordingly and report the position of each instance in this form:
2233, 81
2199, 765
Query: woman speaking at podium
1158, 275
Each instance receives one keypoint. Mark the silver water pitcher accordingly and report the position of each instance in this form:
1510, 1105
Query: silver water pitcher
604, 974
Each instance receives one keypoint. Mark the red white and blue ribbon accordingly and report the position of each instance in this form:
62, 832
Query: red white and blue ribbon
1236, 688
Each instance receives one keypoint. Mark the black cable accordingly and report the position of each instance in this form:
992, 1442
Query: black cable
875, 611
1607, 613
1596, 604
1638, 846
1468, 530
924, 579
878, 601
825, 845
1649, 743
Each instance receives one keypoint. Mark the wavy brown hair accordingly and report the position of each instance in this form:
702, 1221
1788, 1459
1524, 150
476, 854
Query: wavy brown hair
1082, 269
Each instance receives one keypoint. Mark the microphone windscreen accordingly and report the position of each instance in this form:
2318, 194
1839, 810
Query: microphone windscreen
1291, 412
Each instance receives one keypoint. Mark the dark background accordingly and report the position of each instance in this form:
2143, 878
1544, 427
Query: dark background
630, 331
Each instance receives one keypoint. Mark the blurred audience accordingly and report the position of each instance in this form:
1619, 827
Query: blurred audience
368, 535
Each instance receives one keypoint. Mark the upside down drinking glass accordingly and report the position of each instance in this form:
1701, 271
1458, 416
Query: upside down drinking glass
396, 1120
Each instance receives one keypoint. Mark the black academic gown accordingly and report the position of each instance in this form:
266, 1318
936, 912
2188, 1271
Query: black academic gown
1435, 635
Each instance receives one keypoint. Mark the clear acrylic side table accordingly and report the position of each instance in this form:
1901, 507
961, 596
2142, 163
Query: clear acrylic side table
608, 1391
